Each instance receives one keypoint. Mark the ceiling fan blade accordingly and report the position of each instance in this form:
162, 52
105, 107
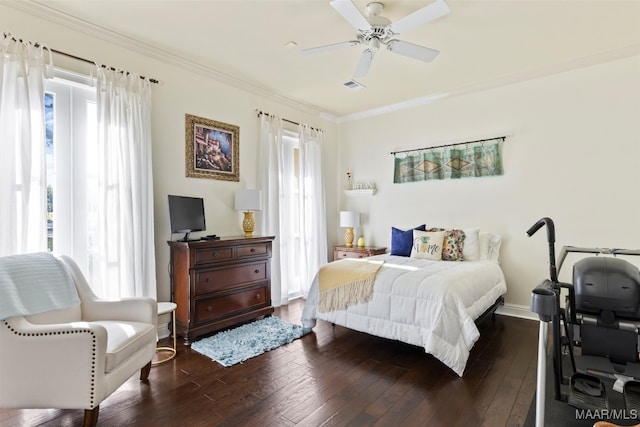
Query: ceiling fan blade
366, 58
330, 47
351, 13
412, 50
431, 12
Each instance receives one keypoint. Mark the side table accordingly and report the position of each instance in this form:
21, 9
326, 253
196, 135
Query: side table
164, 308
340, 252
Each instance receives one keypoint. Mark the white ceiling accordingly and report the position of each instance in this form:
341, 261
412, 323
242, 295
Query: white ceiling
482, 43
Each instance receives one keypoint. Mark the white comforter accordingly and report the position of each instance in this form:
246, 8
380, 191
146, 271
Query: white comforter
432, 304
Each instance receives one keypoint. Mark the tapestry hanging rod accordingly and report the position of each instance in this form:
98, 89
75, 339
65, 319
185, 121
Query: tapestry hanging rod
77, 58
450, 145
260, 113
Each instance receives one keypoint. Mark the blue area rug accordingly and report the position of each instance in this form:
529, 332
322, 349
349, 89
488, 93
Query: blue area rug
247, 341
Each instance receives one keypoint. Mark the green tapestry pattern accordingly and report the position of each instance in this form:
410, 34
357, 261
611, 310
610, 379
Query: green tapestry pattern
479, 160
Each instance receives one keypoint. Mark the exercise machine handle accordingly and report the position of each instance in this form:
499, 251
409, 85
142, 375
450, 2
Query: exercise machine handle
551, 238
551, 230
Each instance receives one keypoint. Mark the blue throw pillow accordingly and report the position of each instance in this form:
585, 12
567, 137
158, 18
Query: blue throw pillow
401, 241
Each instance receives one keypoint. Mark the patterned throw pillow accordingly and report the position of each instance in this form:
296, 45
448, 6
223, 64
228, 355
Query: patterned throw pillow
453, 244
427, 245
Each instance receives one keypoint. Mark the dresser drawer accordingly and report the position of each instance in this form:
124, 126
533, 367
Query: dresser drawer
209, 255
225, 305
342, 252
253, 250
350, 254
229, 277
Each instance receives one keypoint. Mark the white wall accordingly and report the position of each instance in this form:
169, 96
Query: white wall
181, 92
572, 153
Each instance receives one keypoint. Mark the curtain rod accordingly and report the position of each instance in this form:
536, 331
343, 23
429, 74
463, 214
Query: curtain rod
88, 61
260, 113
78, 58
450, 145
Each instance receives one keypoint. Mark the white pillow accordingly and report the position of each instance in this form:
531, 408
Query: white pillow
471, 248
489, 246
427, 244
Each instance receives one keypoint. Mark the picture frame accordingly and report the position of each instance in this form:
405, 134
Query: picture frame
212, 149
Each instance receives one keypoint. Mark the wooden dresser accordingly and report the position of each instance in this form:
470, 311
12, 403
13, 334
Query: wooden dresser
340, 252
219, 283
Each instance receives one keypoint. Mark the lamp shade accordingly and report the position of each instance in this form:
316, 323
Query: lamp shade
349, 219
248, 200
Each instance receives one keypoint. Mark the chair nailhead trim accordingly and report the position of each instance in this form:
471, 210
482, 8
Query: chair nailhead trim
75, 331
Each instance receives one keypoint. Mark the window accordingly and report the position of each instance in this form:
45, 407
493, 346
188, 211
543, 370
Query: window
71, 143
291, 178
48, 114
293, 212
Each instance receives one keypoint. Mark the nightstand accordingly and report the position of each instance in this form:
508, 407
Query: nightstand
340, 252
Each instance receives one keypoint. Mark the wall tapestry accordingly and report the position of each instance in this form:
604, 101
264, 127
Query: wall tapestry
449, 161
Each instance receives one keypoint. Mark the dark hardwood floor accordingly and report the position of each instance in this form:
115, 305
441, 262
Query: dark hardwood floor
331, 377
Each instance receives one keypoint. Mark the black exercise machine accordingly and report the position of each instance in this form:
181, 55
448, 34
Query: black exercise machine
601, 317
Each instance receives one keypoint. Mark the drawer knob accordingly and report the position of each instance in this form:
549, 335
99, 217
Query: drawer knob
253, 250
207, 280
344, 254
215, 254
209, 308
256, 271
257, 296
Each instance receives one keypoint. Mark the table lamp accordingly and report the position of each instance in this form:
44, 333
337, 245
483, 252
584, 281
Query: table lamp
349, 219
248, 201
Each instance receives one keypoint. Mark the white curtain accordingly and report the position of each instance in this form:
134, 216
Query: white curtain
271, 173
23, 209
313, 225
294, 206
124, 263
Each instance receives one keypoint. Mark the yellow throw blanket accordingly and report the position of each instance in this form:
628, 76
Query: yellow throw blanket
346, 282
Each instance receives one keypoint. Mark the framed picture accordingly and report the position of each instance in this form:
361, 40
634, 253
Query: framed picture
212, 149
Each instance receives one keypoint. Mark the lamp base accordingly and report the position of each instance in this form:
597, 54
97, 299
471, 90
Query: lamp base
248, 224
348, 237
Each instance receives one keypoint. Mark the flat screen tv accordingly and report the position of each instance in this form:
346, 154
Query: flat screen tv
186, 214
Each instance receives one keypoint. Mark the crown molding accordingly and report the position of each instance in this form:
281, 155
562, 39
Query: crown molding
411, 103
550, 70
41, 10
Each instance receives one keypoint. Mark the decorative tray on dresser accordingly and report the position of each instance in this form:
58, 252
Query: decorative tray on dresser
219, 283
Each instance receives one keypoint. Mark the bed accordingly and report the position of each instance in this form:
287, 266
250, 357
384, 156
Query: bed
429, 303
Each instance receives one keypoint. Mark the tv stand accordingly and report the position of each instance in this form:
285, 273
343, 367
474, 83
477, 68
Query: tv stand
186, 237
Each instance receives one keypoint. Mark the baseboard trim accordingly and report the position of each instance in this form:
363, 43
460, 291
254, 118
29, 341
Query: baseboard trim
515, 310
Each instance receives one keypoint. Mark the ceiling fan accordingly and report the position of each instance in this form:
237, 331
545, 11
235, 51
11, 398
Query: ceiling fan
375, 30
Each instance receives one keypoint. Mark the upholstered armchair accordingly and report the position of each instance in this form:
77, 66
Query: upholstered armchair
60, 345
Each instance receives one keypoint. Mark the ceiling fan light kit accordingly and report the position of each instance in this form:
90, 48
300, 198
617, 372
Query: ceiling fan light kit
375, 30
